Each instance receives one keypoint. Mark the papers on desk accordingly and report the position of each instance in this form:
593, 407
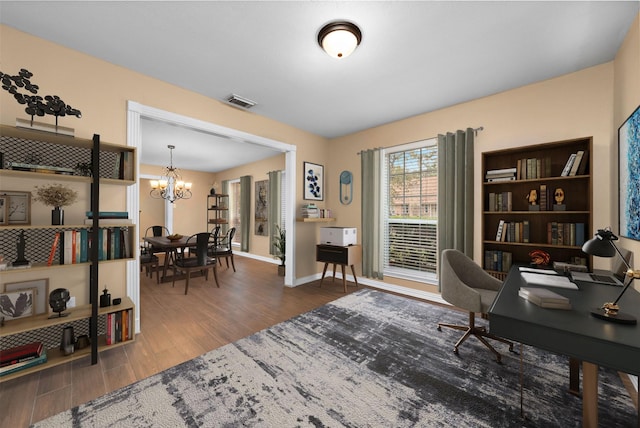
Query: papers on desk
548, 280
538, 270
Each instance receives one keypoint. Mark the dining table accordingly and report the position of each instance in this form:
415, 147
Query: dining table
170, 247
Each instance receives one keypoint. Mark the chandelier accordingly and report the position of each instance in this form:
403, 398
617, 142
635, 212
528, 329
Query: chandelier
171, 186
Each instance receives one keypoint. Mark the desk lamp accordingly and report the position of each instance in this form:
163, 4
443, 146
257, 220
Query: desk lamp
603, 246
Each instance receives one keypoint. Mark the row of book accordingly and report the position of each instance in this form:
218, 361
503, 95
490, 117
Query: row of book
504, 174
75, 245
533, 168
501, 201
576, 164
515, 231
544, 297
120, 326
498, 260
22, 357
310, 211
565, 233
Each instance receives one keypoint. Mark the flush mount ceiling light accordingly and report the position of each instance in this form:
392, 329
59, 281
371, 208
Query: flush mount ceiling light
339, 39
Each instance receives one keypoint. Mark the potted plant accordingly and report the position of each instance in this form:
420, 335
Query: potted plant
280, 245
56, 196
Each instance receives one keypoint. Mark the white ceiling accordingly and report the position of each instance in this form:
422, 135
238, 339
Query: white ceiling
415, 56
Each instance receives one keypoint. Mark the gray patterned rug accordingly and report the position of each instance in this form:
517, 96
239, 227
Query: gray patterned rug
369, 359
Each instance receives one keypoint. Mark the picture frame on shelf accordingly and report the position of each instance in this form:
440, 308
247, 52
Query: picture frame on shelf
313, 181
17, 304
628, 176
41, 287
4, 203
18, 207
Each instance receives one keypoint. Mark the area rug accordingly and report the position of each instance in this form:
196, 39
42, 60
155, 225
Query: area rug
369, 359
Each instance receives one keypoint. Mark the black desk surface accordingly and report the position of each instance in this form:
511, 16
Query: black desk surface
570, 332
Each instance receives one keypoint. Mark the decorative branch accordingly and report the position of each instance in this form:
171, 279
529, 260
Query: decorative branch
36, 105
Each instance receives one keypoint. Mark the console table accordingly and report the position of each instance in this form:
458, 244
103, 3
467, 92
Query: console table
574, 333
343, 256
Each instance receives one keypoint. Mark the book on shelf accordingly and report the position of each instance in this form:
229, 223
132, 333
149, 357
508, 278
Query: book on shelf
582, 169
498, 260
20, 353
310, 211
109, 214
54, 247
499, 231
41, 359
567, 167
502, 171
576, 163
108, 221
545, 298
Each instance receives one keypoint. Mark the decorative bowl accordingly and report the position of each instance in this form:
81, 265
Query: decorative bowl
174, 237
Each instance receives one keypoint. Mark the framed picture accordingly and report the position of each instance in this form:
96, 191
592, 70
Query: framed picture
313, 181
16, 304
18, 207
629, 176
4, 220
262, 205
41, 294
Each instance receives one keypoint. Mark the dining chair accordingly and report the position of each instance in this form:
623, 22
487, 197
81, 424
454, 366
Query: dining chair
201, 262
149, 262
223, 248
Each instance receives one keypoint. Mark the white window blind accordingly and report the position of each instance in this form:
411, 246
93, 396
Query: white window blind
411, 210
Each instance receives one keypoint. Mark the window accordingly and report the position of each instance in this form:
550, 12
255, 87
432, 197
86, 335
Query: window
411, 210
234, 209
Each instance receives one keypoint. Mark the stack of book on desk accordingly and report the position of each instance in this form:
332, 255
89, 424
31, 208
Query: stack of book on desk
544, 298
21, 357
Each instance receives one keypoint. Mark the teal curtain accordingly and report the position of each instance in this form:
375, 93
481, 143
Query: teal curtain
372, 231
455, 191
245, 212
274, 207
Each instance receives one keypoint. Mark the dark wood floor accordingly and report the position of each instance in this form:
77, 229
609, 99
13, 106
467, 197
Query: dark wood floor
175, 328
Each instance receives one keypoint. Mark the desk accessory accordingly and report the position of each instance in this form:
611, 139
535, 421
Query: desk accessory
603, 246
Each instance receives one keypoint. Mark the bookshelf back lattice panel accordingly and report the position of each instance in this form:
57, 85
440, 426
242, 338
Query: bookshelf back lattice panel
22, 150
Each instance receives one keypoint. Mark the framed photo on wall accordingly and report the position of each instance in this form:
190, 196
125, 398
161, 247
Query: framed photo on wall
18, 207
313, 183
41, 295
17, 304
629, 176
262, 205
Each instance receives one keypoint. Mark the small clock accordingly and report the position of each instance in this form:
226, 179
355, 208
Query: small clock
18, 207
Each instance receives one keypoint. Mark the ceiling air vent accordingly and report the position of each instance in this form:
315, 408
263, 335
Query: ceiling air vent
240, 101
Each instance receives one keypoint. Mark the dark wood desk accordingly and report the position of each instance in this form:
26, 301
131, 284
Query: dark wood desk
343, 256
574, 333
169, 247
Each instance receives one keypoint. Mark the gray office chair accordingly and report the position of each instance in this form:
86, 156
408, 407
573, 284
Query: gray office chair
467, 286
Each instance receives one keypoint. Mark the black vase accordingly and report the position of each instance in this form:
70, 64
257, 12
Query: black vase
57, 216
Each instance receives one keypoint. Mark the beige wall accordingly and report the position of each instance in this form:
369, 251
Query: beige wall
591, 102
626, 95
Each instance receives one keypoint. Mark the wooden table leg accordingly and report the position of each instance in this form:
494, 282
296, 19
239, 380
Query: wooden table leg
324, 271
574, 376
334, 273
344, 279
589, 395
355, 279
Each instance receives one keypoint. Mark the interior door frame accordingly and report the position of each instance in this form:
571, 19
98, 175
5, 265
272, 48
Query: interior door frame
135, 112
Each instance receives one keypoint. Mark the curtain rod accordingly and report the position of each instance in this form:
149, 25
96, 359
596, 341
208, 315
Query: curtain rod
475, 133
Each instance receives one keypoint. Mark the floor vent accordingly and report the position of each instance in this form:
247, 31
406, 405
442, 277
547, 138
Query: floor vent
240, 101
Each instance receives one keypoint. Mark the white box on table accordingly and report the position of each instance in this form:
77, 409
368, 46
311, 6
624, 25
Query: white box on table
340, 236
